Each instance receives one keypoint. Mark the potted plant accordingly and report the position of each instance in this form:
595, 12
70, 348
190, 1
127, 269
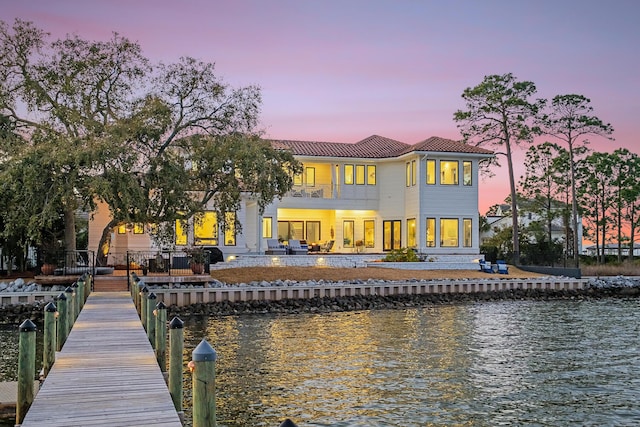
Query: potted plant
49, 258
197, 258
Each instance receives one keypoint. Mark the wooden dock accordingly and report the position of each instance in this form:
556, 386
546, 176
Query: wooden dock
106, 373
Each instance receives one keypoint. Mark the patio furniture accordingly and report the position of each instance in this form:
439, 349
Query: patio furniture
486, 267
503, 268
326, 247
296, 248
275, 248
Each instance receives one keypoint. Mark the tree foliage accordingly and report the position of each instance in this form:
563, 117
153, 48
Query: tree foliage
570, 119
104, 124
500, 113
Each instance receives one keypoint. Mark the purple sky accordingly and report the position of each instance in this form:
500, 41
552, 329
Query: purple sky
343, 70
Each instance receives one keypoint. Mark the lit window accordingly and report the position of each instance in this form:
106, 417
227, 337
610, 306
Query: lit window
371, 175
205, 229
413, 172
431, 171
466, 225
448, 232
122, 229
411, 233
359, 174
431, 232
138, 228
267, 227
466, 173
369, 233
348, 174
297, 179
347, 233
407, 173
230, 229
311, 176
181, 232
313, 231
448, 172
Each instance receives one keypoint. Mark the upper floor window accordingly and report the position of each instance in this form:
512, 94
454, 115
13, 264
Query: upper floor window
448, 172
348, 174
360, 175
466, 173
310, 175
407, 174
431, 171
411, 173
371, 174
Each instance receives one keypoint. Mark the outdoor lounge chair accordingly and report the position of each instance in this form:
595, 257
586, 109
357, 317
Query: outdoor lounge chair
275, 248
503, 268
295, 248
486, 267
326, 247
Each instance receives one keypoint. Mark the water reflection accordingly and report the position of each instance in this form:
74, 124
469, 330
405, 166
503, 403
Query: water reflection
509, 363
505, 363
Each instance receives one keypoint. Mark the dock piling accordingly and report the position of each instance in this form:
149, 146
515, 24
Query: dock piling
49, 347
176, 347
161, 335
151, 321
26, 369
70, 308
143, 306
62, 321
203, 375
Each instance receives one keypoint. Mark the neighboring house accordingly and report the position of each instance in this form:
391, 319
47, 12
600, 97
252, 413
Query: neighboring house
612, 249
501, 219
371, 196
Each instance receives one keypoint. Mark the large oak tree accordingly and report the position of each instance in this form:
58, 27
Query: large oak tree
156, 142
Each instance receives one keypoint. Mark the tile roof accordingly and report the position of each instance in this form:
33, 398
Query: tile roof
375, 147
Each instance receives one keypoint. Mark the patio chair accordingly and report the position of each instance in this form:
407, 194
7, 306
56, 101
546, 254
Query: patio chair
296, 248
275, 248
486, 267
326, 247
503, 268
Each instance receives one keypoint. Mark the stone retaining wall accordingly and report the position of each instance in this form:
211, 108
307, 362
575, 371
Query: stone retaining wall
434, 262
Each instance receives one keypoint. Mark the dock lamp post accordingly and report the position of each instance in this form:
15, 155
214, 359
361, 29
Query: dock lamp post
151, 320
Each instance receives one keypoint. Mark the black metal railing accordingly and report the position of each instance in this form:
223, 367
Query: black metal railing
170, 263
65, 263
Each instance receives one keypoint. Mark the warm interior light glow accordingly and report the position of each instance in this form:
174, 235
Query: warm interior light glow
192, 366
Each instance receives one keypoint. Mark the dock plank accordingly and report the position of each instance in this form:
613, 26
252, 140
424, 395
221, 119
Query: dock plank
106, 373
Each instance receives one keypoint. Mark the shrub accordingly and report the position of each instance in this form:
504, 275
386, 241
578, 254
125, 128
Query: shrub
401, 255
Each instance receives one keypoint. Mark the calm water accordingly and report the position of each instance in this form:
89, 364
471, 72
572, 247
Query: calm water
509, 363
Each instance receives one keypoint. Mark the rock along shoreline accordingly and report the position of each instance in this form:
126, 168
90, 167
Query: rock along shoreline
596, 288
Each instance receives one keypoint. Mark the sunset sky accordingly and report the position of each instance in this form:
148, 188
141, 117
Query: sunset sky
344, 70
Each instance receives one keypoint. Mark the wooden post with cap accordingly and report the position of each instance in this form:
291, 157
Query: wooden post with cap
62, 321
49, 347
161, 335
203, 375
151, 321
176, 346
26, 369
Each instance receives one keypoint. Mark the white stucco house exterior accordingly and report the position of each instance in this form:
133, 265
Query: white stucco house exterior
370, 196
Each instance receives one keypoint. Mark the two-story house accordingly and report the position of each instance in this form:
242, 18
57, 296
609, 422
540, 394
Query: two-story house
370, 196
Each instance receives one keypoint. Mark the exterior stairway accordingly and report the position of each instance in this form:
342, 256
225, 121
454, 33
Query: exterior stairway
109, 283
